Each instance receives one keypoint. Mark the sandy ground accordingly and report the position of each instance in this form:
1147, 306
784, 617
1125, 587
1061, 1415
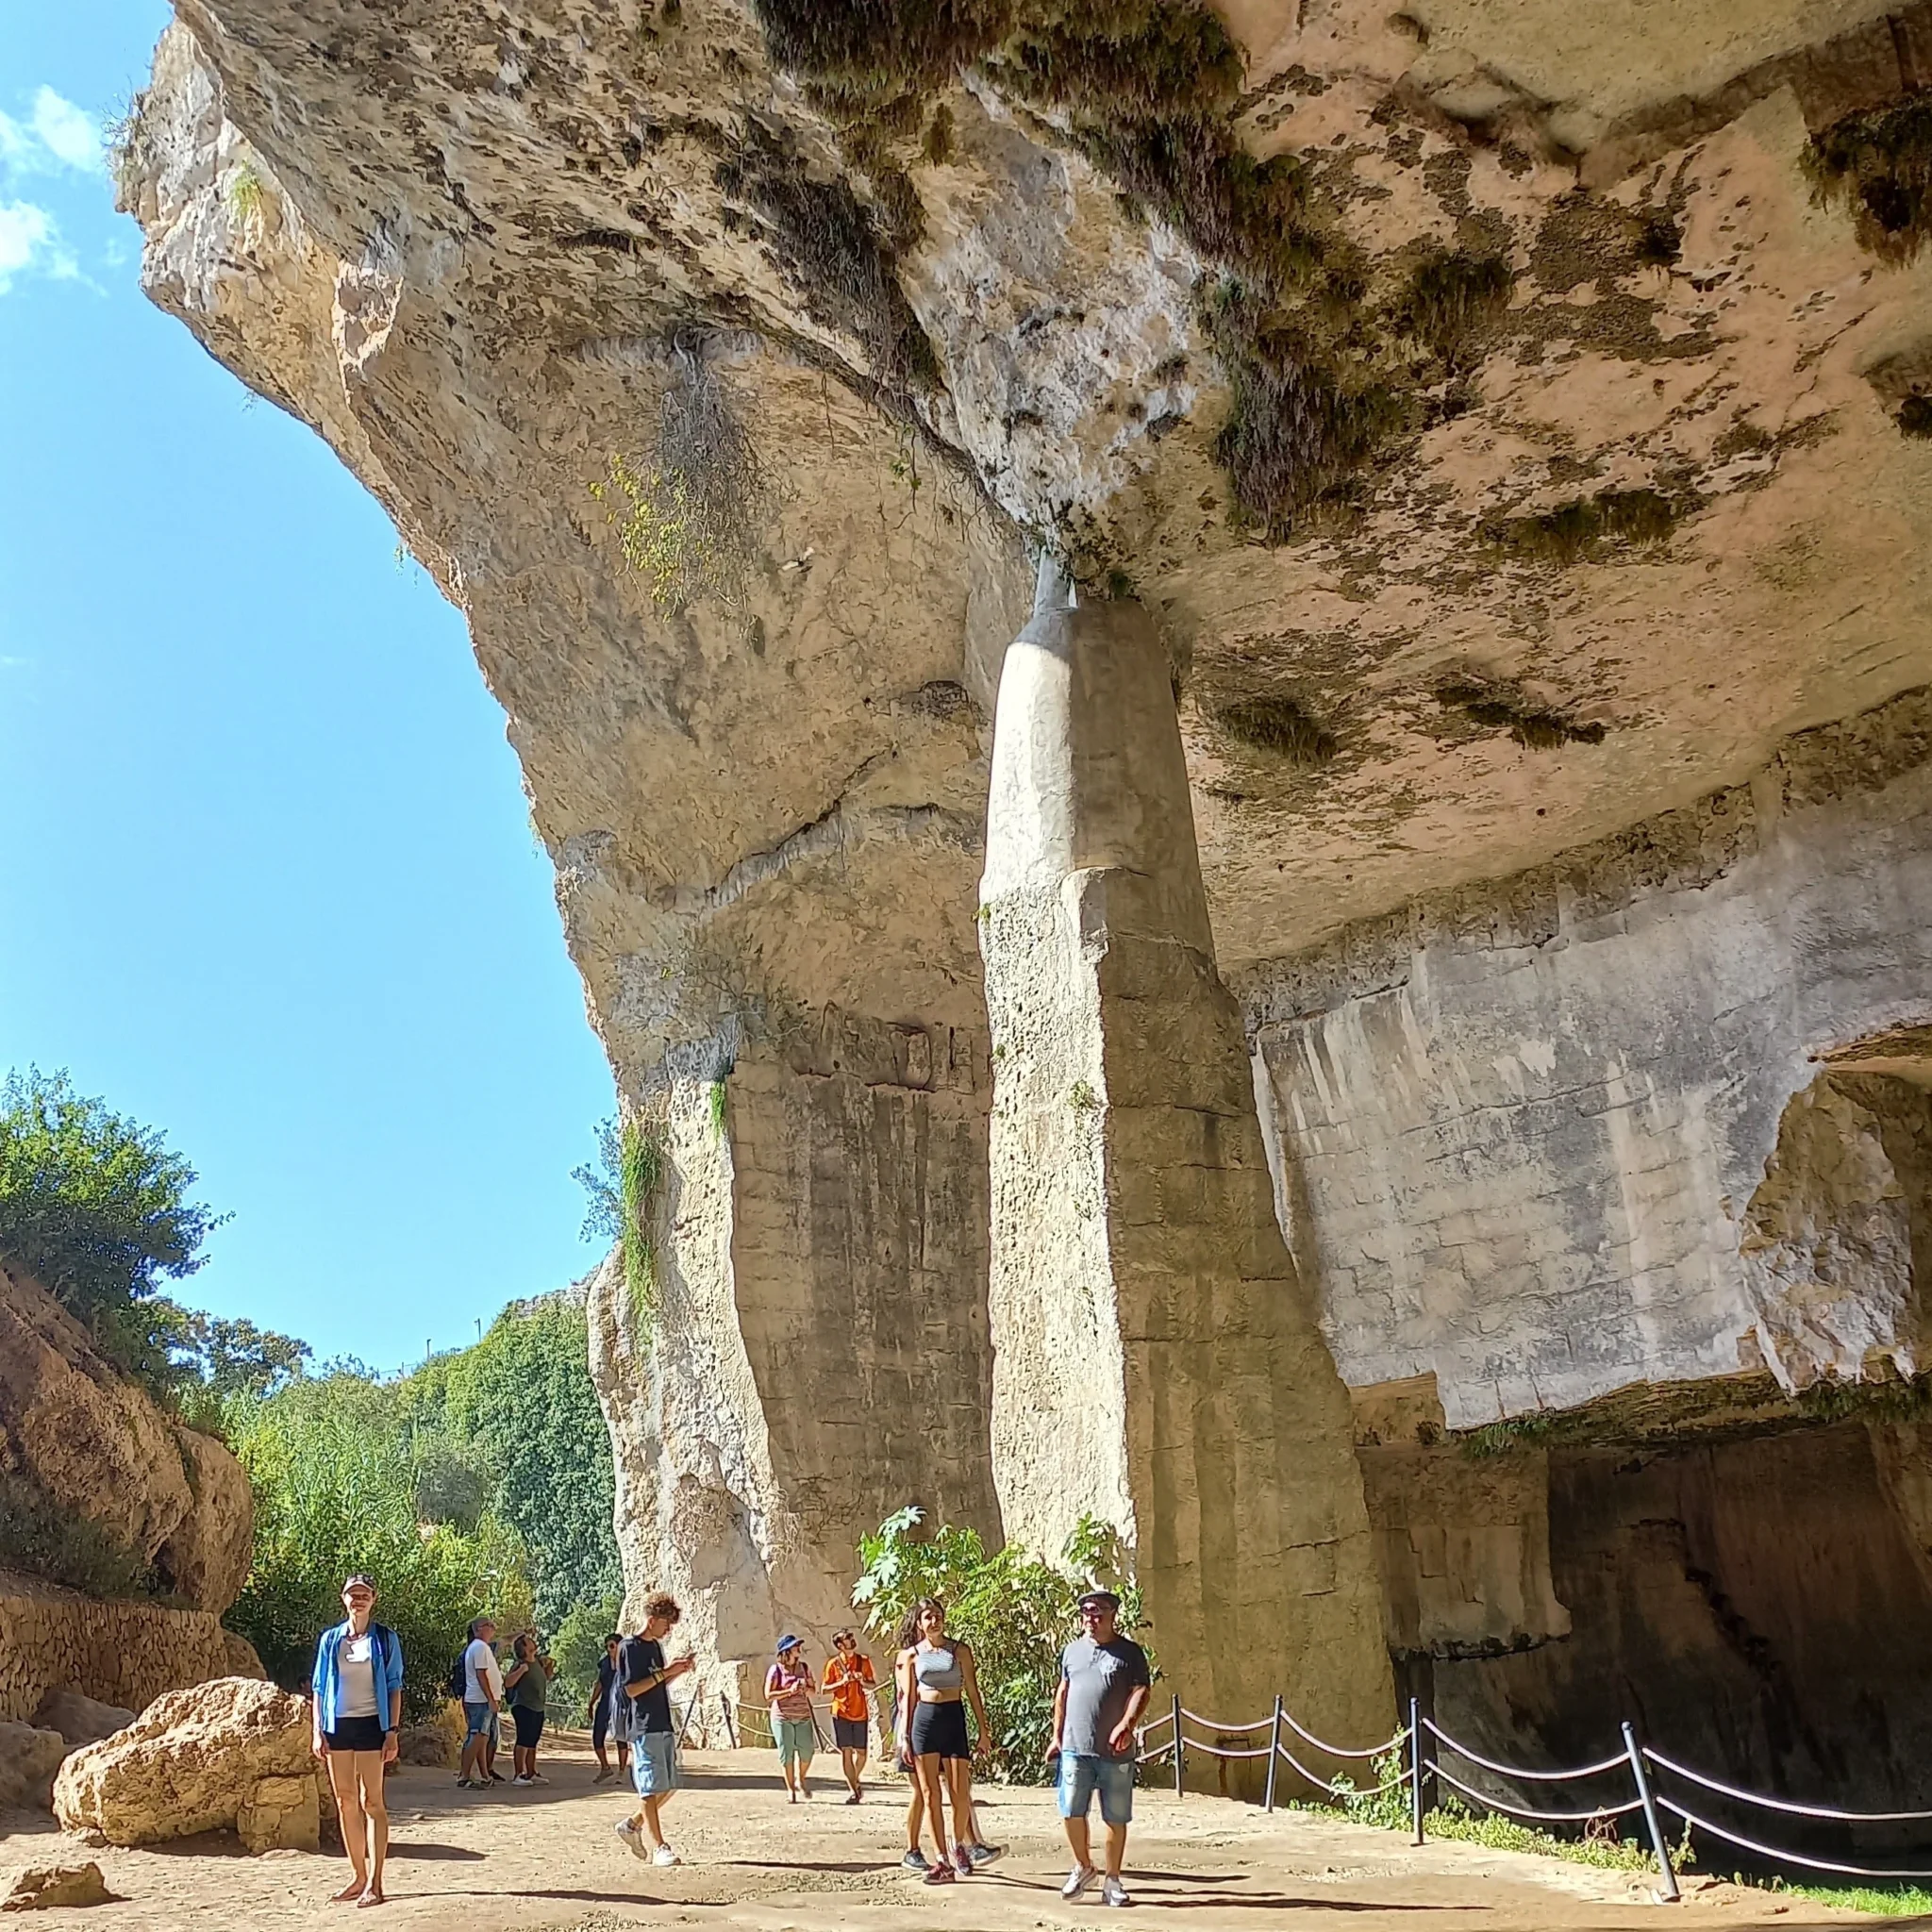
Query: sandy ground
466, 1862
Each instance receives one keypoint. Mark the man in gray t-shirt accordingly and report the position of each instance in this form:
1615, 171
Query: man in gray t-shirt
1103, 1691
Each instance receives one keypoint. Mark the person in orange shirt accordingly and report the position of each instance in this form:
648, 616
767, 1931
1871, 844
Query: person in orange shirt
848, 1678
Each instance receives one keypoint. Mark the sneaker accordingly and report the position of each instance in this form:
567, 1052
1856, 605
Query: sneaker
962, 1864
665, 1856
941, 1874
914, 1861
984, 1855
1078, 1879
496, 1777
1112, 1892
633, 1839
852, 1797
536, 1778
519, 1779
603, 1776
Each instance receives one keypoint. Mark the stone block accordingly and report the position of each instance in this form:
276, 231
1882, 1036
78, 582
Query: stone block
44, 1887
281, 1814
28, 1760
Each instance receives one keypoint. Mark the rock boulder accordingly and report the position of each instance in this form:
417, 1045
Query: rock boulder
97, 1444
198, 1760
81, 1719
28, 1760
42, 1887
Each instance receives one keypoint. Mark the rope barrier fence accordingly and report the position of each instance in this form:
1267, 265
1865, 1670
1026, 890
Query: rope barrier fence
1419, 1747
1421, 1744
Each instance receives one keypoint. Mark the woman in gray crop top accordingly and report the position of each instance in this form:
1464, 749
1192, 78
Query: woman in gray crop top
937, 1681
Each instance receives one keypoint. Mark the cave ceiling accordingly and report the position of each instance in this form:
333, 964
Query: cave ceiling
1512, 432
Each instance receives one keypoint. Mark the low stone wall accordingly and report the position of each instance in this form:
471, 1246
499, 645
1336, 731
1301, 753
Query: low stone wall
120, 1652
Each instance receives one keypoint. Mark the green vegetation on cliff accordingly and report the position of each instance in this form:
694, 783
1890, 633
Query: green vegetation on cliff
96, 1207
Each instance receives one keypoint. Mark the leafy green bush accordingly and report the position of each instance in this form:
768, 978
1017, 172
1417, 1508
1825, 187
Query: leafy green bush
578, 1648
1017, 1612
625, 1191
95, 1209
335, 1492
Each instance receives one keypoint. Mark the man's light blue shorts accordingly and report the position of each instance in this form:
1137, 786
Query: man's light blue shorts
478, 1717
654, 1763
1113, 1777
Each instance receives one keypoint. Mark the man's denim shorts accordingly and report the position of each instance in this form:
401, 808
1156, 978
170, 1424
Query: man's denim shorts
654, 1763
478, 1717
1113, 1777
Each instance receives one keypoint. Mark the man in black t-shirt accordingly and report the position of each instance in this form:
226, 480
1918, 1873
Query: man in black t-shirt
646, 1679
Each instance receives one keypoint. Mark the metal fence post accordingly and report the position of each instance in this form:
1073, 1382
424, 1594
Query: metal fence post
1657, 1842
1415, 1767
1274, 1755
1176, 1743
730, 1729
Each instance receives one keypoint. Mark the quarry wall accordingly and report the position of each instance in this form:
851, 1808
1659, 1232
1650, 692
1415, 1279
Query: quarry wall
1525, 1131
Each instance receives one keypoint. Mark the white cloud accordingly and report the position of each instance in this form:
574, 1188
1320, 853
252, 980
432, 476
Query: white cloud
54, 135
70, 134
31, 240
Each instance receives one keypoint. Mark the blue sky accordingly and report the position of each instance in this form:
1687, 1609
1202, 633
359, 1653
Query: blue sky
268, 881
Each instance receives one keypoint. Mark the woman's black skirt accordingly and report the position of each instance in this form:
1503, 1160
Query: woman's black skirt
938, 1730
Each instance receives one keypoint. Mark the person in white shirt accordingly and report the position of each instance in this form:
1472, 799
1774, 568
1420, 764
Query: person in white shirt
358, 1690
482, 1699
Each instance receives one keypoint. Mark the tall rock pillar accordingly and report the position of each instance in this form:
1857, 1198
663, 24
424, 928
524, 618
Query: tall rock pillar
1156, 1361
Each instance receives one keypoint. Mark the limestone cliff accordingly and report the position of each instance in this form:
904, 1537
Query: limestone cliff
94, 1445
1505, 431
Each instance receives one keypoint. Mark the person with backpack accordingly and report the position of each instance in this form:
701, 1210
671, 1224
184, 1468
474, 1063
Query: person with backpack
356, 1688
481, 1691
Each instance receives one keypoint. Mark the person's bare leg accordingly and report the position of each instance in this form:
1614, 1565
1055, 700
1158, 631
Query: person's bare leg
375, 1807
935, 1802
1079, 1841
915, 1810
471, 1764
854, 1762
341, 1782
1116, 1848
959, 1778
647, 1816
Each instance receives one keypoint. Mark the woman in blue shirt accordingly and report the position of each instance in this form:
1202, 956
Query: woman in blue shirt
358, 1711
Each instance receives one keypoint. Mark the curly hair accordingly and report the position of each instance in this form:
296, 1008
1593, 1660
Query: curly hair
663, 1603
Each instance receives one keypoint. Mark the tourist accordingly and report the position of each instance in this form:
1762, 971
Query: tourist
1103, 1689
788, 1696
600, 1705
644, 1680
914, 1859
848, 1678
938, 1678
482, 1698
357, 1691
528, 1683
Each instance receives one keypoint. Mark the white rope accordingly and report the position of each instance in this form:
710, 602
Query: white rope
1710, 1783
1215, 1750
1535, 1816
1336, 1750
1788, 1858
1548, 1777
1154, 1724
1333, 1787
1208, 1723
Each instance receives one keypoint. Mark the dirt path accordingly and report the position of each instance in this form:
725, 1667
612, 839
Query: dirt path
480, 1861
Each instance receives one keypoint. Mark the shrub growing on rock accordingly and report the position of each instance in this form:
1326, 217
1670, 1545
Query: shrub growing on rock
1017, 1612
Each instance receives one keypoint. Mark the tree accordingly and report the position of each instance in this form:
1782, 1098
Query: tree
96, 1207
521, 1404
1016, 1611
